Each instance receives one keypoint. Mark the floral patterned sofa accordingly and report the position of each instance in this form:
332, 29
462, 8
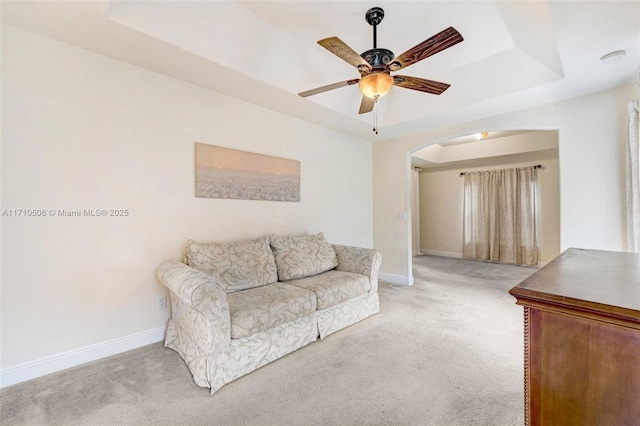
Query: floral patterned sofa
237, 306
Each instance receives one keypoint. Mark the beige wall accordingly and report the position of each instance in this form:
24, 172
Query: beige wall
591, 157
82, 131
441, 207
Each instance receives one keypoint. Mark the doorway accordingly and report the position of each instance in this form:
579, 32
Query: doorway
437, 194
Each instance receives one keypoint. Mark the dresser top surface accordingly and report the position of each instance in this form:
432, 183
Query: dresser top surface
596, 279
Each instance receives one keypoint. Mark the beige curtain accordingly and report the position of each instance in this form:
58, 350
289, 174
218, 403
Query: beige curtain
633, 178
500, 216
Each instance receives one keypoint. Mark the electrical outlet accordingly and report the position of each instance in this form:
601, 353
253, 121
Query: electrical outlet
162, 302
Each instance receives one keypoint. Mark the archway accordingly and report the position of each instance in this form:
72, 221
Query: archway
440, 203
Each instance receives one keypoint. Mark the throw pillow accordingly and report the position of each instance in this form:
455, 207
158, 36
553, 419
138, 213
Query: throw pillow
303, 256
238, 265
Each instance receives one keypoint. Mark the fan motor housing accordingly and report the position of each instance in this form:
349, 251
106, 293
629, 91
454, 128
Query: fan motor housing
378, 58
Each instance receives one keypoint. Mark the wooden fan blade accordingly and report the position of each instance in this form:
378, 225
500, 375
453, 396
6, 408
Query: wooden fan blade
344, 52
439, 42
420, 84
328, 87
366, 105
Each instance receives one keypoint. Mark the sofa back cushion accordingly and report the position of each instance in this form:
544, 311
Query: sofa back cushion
238, 265
303, 256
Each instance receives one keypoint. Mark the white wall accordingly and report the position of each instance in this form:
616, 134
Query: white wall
82, 131
591, 153
441, 207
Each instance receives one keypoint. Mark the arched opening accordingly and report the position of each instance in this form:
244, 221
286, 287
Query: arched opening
436, 189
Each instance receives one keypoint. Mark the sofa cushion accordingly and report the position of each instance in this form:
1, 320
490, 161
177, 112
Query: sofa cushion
334, 287
263, 308
302, 256
237, 265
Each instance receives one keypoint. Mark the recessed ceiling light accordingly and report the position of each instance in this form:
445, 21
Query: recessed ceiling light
481, 136
613, 57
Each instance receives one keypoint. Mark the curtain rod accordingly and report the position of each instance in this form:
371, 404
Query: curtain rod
537, 166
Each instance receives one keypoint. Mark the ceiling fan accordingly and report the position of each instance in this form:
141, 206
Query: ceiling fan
375, 65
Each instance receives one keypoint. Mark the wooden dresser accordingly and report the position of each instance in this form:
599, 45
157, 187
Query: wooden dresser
582, 340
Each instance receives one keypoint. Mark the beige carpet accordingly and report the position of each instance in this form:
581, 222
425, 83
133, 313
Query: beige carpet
446, 351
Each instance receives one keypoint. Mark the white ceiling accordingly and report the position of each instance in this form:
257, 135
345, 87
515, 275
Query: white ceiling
499, 147
515, 54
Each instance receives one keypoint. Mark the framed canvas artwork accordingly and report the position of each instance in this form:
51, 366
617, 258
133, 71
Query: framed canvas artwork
230, 173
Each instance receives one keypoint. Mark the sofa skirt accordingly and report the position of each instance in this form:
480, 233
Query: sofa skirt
247, 354
347, 313
243, 355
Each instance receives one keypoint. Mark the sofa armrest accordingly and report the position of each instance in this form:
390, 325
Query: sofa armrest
359, 260
199, 305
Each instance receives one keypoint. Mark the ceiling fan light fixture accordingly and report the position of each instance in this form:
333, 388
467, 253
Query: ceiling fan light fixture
376, 84
375, 65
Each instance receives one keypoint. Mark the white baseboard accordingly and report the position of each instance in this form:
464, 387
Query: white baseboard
43, 366
395, 279
442, 253
459, 256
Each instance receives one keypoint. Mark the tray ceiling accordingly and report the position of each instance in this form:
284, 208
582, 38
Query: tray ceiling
514, 54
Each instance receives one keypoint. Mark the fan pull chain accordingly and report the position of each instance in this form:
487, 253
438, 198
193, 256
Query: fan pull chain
375, 114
